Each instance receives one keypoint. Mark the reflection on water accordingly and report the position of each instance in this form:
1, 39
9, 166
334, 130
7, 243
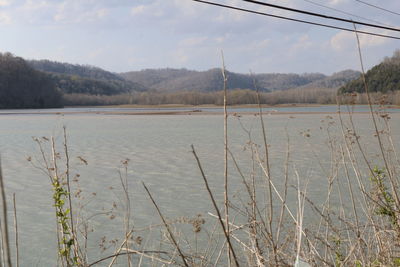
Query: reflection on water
158, 148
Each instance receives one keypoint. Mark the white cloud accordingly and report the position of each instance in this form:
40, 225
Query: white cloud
220, 40
73, 12
371, 41
337, 2
259, 45
160, 10
347, 40
181, 33
138, 10
230, 16
5, 19
96, 53
4, 3
180, 56
193, 41
303, 43
31, 5
188, 8
102, 12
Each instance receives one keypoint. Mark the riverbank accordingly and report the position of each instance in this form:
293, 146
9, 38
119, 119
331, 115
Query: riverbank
288, 109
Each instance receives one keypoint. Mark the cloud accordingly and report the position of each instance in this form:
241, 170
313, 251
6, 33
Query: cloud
347, 40
231, 16
302, 43
337, 2
179, 33
193, 41
181, 57
74, 12
31, 5
138, 10
96, 53
4, 3
5, 19
162, 10
256, 46
187, 8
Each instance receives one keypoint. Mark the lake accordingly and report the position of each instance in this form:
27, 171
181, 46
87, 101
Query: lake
159, 151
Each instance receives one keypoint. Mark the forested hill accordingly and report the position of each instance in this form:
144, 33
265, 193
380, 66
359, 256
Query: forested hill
335, 80
384, 77
173, 80
21, 86
44, 83
90, 80
84, 71
84, 79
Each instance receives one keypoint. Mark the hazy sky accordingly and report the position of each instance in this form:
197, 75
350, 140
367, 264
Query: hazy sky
124, 35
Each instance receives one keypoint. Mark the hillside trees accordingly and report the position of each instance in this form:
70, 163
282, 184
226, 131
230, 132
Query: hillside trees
85, 79
384, 77
23, 87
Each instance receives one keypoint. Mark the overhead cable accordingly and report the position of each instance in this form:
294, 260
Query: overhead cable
296, 20
346, 13
321, 15
378, 7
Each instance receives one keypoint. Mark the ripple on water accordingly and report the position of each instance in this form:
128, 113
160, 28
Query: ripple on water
160, 155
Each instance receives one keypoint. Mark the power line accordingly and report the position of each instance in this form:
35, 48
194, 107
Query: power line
321, 15
346, 13
378, 7
296, 20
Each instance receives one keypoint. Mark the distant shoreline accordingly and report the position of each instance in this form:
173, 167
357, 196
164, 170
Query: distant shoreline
186, 110
209, 106
221, 106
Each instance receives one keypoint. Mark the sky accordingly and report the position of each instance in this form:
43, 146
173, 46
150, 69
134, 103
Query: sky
130, 35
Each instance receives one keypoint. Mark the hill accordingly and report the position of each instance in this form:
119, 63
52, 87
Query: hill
335, 80
175, 80
21, 86
384, 77
84, 79
90, 80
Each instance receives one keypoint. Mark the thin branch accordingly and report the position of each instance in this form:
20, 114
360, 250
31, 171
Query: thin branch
6, 242
128, 252
16, 233
166, 226
216, 207
71, 215
226, 200
391, 178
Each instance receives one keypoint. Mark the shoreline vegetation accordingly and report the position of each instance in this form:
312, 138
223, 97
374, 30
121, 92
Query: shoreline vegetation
234, 98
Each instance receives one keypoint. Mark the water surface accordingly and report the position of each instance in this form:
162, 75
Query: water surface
159, 151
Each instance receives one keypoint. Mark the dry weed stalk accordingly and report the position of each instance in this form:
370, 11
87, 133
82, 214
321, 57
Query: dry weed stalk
4, 229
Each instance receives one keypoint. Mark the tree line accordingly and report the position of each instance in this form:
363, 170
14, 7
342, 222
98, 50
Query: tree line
384, 77
235, 97
23, 87
58, 84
